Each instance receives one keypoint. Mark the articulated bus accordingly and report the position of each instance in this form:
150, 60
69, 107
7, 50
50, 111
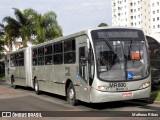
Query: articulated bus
94, 66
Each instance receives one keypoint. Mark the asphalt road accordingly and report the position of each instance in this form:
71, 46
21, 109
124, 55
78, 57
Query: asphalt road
23, 100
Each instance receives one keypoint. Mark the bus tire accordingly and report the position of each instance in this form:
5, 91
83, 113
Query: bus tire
12, 82
36, 88
71, 95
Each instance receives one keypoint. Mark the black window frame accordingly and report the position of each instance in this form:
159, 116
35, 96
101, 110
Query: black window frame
17, 59
58, 54
48, 56
69, 51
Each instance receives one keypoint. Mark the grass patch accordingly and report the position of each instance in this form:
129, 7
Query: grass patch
2, 76
155, 96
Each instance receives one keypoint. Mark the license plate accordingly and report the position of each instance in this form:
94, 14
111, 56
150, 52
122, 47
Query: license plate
129, 94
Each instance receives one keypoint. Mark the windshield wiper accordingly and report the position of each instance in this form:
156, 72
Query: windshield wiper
124, 56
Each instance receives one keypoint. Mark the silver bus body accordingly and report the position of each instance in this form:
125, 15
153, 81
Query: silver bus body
22, 73
54, 71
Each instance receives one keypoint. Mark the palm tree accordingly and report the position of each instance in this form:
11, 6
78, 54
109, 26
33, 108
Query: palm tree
11, 31
25, 19
29, 23
46, 27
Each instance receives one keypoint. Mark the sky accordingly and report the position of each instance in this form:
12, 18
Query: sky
72, 15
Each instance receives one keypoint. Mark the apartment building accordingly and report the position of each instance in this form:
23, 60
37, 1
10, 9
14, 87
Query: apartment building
144, 14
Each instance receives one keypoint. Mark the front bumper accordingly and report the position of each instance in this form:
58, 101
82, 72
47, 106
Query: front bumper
99, 96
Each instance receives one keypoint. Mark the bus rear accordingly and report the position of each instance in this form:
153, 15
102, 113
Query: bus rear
122, 65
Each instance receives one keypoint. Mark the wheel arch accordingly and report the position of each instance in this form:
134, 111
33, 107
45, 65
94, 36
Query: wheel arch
68, 81
34, 80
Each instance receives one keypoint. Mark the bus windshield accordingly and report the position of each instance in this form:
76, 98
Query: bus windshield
121, 54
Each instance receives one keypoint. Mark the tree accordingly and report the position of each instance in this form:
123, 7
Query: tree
46, 27
102, 25
1, 43
10, 32
30, 26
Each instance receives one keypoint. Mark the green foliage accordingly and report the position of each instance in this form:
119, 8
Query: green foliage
102, 25
155, 95
30, 26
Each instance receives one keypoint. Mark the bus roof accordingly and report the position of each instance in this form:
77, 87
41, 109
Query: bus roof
72, 36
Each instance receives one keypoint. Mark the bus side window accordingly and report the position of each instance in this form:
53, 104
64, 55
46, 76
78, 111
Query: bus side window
34, 55
48, 55
58, 53
41, 56
69, 52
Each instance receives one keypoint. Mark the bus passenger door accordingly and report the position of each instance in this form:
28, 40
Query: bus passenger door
83, 72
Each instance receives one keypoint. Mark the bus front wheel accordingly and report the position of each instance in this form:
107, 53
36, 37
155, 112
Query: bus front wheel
71, 95
36, 88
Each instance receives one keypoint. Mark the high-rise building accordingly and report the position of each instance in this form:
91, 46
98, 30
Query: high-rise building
144, 14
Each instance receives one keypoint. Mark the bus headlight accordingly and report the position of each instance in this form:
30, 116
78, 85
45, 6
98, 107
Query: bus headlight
103, 88
145, 85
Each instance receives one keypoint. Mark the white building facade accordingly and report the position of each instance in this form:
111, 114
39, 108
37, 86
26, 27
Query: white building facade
144, 14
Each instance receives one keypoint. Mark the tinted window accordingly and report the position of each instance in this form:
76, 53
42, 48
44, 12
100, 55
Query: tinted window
69, 45
17, 59
58, 48
69, 52
40, 51
48, 49
58, 54
34, 52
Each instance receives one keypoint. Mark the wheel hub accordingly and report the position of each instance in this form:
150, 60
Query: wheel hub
71, 94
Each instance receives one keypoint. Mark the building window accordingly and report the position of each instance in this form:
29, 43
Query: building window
131, 10
153, 19
131, 17
153, 12
153, 26
130, 4
157, 11
134, 17
158, 26
157, 18
152, 4
134, 10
